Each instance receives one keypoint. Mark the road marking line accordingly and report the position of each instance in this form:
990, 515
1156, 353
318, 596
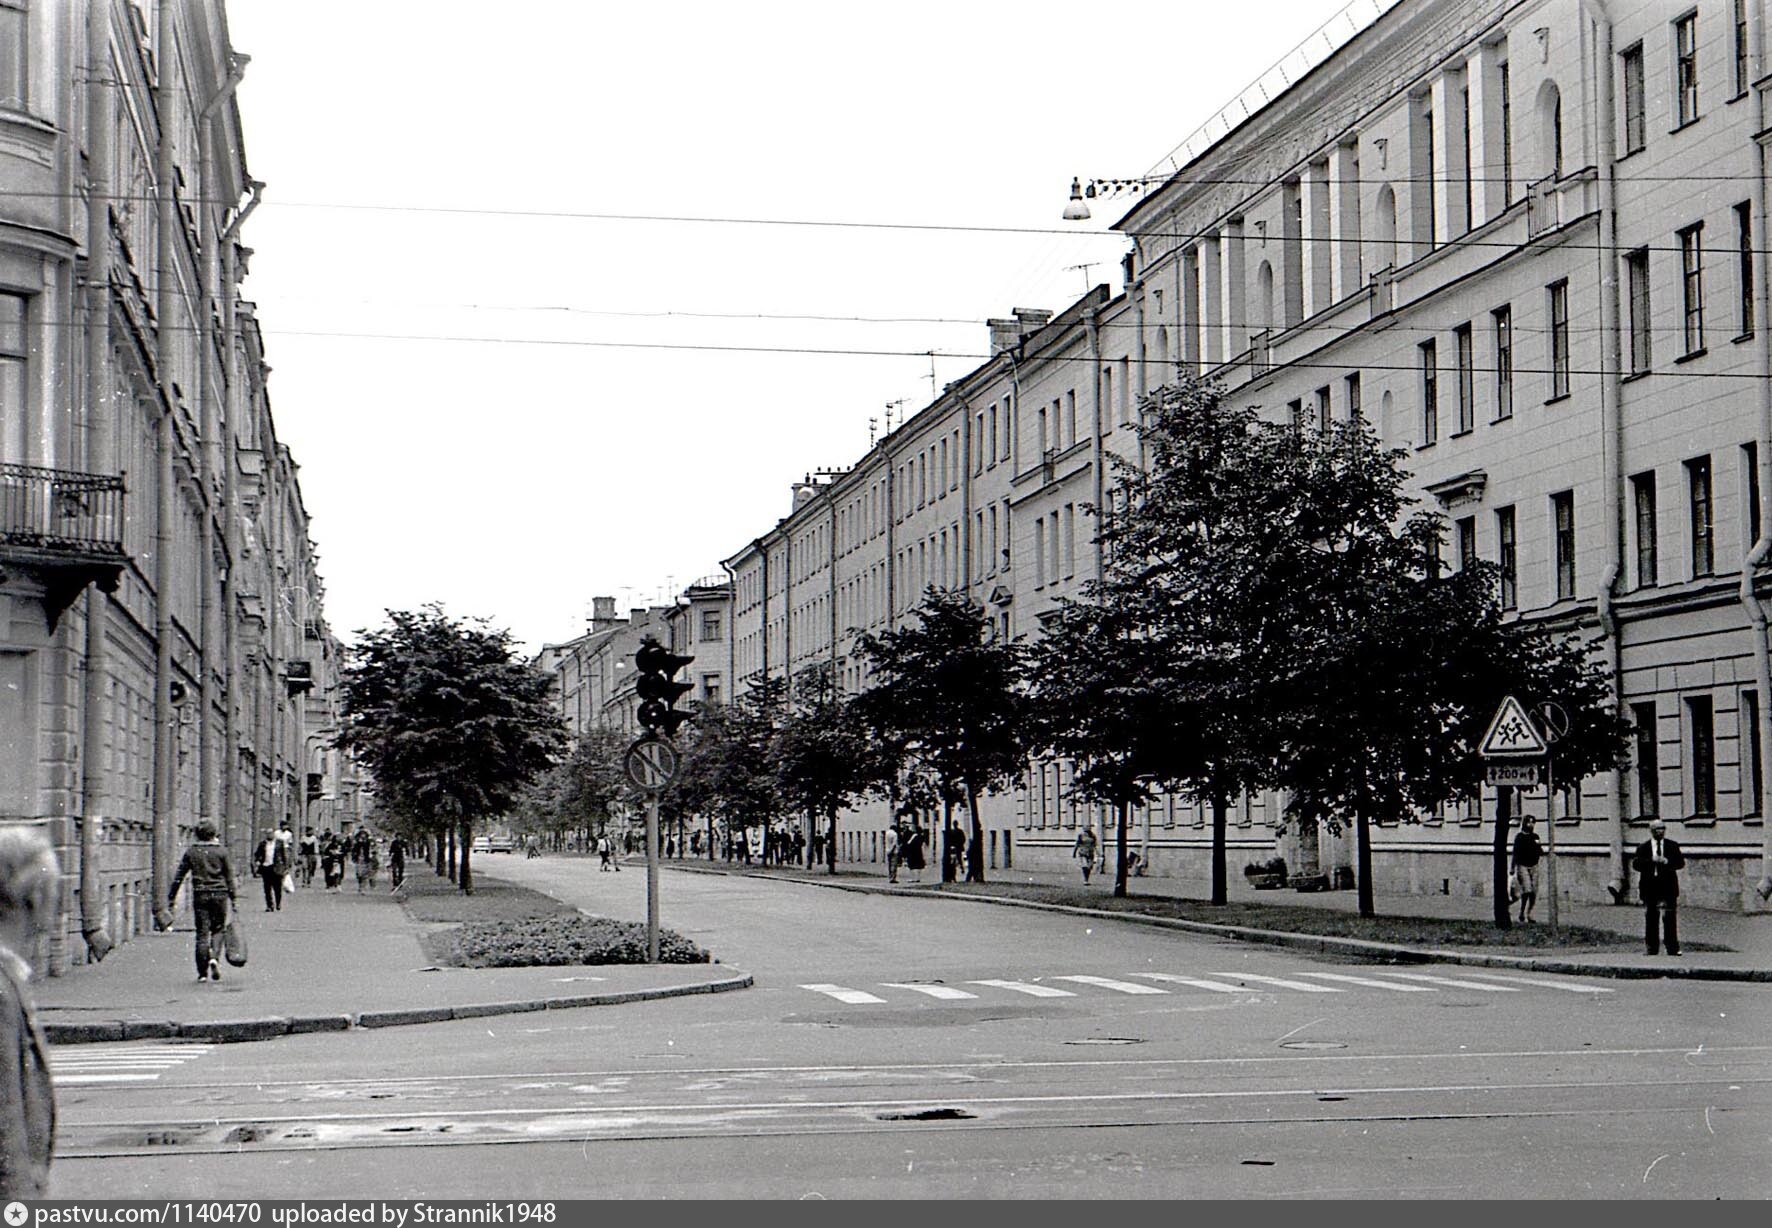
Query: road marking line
1196, 982
66, 1080
946, 992
1105, 982
1370, 982
854, 997
1565, 986
1033, 991
1456, 984
1281, 981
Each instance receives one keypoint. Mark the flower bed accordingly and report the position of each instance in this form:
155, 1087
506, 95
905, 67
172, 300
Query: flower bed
565, 939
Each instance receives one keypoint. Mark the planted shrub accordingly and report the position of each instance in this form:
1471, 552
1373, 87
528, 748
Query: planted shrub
546, 941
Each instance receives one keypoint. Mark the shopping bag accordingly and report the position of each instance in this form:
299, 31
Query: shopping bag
289, 882
234, 942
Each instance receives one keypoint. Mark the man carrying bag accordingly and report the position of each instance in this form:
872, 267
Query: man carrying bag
212, 896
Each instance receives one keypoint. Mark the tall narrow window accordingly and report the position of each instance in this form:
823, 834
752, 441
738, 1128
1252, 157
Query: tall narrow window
1467, 541
1432, 160
1744, 267
1702, 732
1107, 395
1295, 414
1430, 394
1353, 397
1507, 135
1686, 69
1323, 409
1069, 537
1563, 524
1692, 285
1648, 760
1740, 47
1504, 361
12, 54
1559, 338
1467, 392
1464, 117
1039, 552
1507, 558
1643, 497
1635, 129
1750, 487
1698, 494
991, 436
1636, 275
1753, 779
12, 378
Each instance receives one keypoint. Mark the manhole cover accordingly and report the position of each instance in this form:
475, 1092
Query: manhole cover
1312, 1044
1107, 1040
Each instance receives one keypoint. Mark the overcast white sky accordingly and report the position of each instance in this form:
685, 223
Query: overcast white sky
517, 465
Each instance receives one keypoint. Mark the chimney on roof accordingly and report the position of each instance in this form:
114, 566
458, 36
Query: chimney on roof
1006, 334
602, 613
803, 494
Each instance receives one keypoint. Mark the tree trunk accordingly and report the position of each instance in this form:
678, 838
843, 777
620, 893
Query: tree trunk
1220, 821
948, 871
1122, 819
1504, 813
975, 845
830, 842
452, 854
1363, 858
437, 858
467, 869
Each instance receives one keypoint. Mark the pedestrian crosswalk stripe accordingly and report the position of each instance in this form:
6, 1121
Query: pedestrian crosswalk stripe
74, 1066
1456, 984
1196, 982
1368, 982
1109, 983
854, 997
1565, 986
1281, 981
1032, 990
947, 992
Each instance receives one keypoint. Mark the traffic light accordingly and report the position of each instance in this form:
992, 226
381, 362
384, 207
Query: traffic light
657, 689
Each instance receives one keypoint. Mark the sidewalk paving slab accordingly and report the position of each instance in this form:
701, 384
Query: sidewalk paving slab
1748, 934
327, 963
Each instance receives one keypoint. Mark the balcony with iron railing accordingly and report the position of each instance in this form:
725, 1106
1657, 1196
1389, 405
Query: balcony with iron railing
64, 527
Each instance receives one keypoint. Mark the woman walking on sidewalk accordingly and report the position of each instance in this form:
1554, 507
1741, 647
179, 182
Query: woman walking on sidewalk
1085, 851
28, 877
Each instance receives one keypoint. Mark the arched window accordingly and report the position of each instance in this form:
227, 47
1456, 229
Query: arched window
1550, 131
1163, 352
1384, 227
1386, 412
1264, 297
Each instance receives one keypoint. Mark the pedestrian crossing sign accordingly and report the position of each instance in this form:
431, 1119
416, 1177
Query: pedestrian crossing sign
1512, 734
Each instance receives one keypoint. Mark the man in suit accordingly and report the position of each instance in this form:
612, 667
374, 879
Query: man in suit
1658, 864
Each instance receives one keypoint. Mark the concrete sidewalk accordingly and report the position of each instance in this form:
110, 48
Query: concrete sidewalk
326, 963
1748, 935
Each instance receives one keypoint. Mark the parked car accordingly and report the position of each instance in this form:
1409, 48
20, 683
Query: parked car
500, 844
482, 844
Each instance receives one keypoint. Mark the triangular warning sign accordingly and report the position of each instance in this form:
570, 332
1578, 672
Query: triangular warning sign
1513, 733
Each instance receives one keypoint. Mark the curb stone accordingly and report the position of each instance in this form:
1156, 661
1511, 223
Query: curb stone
1324, 943
242, 1030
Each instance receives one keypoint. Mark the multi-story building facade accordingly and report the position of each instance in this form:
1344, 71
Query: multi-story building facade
698, 628
595, 672
1519, 239
157, 582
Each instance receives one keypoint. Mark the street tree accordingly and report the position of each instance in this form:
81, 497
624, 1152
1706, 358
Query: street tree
726, 770
823, 755
950, 691
451, 722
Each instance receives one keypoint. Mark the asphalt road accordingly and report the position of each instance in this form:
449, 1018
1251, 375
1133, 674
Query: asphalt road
929, 1048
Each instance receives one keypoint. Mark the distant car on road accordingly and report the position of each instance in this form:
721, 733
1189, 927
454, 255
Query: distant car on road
500, 844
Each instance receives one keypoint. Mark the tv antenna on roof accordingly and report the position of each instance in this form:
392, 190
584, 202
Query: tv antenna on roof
890, 406
1084, 268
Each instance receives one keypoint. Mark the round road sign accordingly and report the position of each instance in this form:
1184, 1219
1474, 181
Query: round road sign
651, 763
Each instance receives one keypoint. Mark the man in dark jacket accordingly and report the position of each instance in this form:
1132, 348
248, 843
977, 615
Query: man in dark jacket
1658, 864
212, 893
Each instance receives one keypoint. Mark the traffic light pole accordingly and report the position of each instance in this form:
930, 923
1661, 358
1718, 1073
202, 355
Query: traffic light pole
652, 878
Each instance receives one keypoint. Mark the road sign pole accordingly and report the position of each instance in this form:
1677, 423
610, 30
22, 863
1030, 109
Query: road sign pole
652, 878
1550, 836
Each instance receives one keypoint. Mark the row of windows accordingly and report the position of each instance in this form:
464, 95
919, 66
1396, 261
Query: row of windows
1641, 355
1698, 739
1683, 60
